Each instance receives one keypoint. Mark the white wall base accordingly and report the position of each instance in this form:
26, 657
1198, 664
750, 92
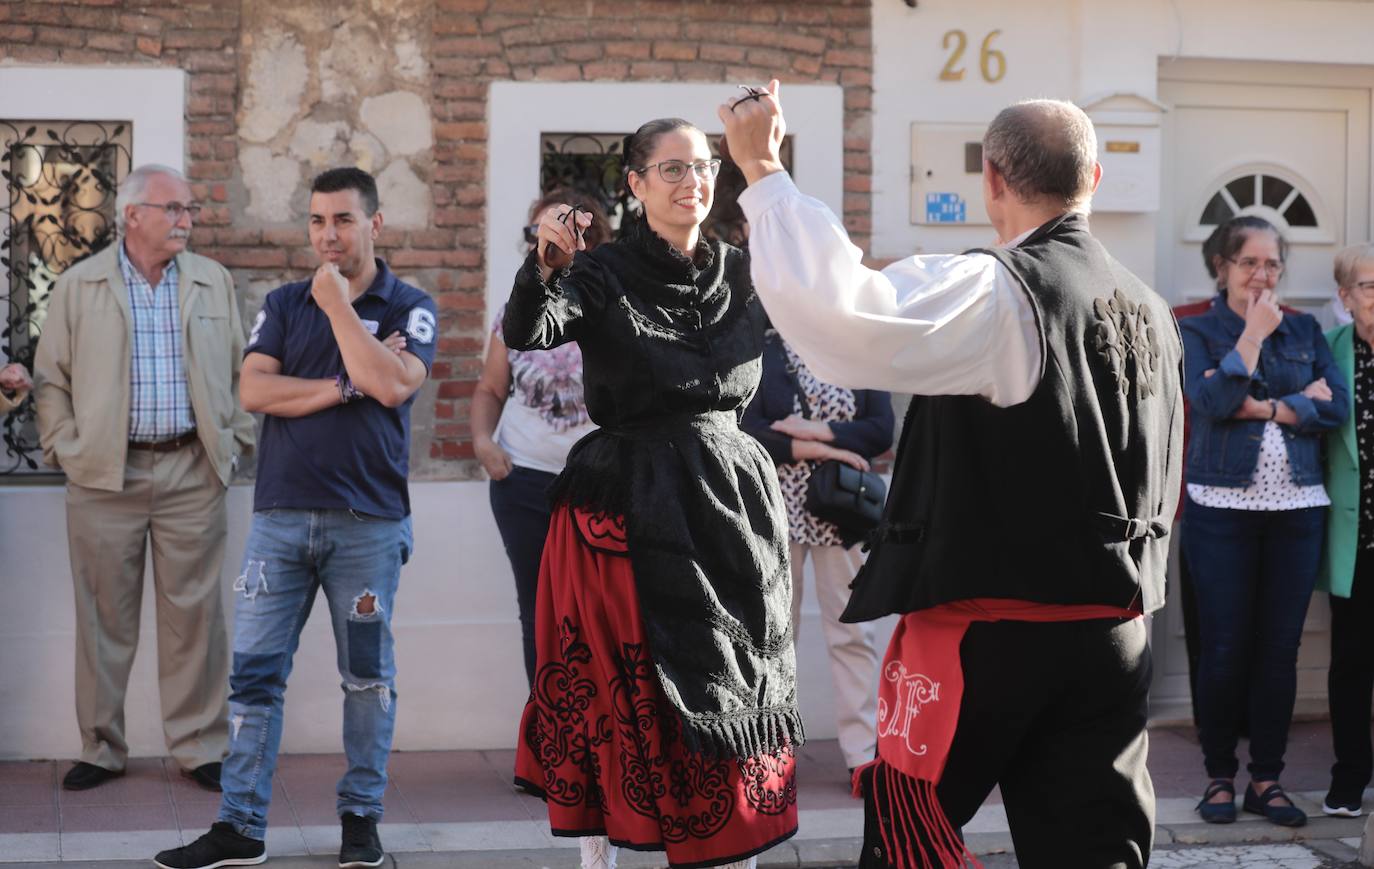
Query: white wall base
461, 681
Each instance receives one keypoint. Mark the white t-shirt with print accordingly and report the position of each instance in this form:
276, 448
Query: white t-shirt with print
546, 413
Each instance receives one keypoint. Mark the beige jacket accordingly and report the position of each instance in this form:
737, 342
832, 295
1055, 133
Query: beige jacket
82, 368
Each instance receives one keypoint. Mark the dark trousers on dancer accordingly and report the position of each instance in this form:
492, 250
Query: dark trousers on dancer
1055, 714
1350, 682
520, 505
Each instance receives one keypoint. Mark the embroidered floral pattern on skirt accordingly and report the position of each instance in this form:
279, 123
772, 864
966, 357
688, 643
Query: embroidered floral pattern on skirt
601, 745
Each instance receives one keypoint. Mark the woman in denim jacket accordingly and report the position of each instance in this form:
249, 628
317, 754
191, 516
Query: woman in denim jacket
1263, 388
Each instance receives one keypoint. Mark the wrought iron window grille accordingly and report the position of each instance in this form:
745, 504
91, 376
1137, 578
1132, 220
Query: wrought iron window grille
60, 179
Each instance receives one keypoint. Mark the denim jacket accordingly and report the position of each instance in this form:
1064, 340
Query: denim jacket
1223, 451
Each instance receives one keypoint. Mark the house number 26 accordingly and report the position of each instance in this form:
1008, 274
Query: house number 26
991, 62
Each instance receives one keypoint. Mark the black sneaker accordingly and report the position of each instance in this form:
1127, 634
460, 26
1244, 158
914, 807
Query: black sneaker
1341, 808
222, 846
361, 847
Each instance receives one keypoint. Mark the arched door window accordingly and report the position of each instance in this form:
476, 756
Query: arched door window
1270, 193
1258, 188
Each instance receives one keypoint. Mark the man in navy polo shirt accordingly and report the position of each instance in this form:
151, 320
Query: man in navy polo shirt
331, 511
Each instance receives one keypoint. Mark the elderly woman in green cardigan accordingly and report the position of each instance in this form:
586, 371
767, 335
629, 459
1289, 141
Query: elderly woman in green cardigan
1347, 570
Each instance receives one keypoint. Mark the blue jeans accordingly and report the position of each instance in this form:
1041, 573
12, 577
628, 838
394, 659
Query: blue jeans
1253, 573
520, 505
291, 554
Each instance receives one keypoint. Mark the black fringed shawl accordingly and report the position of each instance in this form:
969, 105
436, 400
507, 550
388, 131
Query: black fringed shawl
671, 353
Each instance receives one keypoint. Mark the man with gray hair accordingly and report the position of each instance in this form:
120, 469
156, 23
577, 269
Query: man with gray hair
1037, 474
136, 377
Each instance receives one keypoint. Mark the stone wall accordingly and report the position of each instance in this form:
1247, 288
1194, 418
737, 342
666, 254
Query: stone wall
279, 90
324, 84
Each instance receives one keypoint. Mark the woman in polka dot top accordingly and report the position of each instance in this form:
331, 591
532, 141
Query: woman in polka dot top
1263, 388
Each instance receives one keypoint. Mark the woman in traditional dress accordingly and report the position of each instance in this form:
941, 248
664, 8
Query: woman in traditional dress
663, 714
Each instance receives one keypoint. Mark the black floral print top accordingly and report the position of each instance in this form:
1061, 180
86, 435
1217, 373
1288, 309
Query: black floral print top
1364, 437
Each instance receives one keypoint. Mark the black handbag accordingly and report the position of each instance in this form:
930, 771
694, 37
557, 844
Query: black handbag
849, 498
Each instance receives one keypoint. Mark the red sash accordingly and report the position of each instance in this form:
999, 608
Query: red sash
919, 692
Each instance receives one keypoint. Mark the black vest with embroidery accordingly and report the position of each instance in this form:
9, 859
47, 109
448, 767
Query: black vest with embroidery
1065, 498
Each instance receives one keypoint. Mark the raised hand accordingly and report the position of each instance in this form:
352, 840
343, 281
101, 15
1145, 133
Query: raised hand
560, 236
329, 288
754, 130
1262, 315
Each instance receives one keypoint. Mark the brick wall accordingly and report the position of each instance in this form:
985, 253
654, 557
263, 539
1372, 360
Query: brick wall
199, 36
480, 41
474, 42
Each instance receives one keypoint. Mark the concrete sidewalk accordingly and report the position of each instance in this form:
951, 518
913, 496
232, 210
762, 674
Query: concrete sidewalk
458, 809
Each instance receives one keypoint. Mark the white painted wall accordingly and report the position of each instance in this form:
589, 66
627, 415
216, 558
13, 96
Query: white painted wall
1068, 49
461, 680
152, 99
1076, 49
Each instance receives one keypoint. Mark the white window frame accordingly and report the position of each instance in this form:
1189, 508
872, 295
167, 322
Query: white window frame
1319, 234
153, 100
519, 113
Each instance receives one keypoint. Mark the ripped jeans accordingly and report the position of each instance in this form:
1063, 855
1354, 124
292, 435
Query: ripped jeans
290, 554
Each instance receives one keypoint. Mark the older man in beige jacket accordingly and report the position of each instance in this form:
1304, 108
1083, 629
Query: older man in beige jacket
137, 388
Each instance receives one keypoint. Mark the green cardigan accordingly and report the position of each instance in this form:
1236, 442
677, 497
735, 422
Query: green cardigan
1342, 480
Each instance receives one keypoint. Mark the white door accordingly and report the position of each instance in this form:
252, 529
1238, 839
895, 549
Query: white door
1292, 146
1296, 155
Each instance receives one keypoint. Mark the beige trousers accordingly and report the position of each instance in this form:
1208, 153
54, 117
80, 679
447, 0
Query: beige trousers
175, 501
853, 658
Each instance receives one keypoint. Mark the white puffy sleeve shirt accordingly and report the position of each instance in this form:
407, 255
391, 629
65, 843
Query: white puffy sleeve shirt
928, 325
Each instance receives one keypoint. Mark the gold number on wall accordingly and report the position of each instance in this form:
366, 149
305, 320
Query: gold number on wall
989, 57
991, 62
960, 40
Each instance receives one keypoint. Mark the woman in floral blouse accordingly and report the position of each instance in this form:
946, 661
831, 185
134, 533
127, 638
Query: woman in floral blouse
846, 425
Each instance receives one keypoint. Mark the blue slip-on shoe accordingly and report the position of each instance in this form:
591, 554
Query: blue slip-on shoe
1262, 804
1218, 813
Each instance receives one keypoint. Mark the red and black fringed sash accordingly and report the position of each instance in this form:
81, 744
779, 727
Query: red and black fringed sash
919, 694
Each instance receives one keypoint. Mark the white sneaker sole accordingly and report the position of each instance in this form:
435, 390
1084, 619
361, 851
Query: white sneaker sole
1341, 811
359, 864
232, 861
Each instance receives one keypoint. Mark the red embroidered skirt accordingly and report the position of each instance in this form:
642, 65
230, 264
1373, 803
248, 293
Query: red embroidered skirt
603, 747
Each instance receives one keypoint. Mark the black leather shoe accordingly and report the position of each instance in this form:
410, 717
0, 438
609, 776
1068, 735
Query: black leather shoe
85, 776
1262, 804
1218, 813
206, 775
